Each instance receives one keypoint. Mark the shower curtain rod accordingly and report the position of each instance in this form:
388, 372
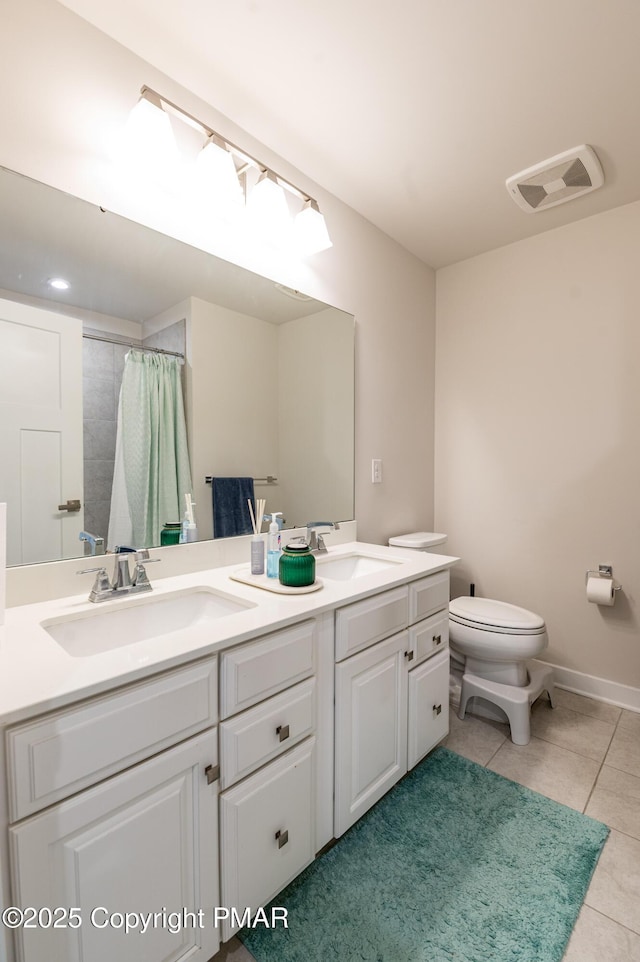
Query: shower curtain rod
136, 347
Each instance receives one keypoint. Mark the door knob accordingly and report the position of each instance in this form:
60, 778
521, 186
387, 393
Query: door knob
70, 506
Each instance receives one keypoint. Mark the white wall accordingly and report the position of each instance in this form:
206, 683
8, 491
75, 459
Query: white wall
537, 432
69, 89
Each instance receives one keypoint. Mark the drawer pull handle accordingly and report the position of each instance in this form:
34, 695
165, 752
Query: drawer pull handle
282, 731
213, 773
409, 655
437, 709
282, 838
437, 639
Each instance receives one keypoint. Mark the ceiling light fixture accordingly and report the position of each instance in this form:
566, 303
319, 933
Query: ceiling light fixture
59, 284
220, 168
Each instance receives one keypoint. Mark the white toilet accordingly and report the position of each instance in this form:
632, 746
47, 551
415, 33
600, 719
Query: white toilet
491, 643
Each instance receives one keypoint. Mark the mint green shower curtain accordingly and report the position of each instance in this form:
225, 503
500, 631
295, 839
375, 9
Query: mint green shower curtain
152, 473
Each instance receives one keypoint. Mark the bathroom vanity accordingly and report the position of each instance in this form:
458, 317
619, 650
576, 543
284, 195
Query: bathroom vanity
160, 767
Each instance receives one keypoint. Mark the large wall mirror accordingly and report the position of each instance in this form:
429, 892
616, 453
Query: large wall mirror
268, 373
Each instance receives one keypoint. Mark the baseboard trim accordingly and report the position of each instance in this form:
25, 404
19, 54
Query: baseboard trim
601, 689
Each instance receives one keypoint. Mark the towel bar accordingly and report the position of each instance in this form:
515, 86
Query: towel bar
268, 480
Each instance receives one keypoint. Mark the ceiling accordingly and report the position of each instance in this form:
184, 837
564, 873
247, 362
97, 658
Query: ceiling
414, 112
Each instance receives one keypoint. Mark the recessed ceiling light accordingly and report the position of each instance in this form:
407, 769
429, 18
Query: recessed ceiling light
59, 284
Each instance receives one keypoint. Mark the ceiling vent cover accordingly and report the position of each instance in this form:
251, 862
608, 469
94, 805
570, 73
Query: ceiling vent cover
568, 175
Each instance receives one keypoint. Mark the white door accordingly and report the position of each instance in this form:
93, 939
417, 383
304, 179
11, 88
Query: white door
40, 432
267, 831
142, 842
428, 706
371, 727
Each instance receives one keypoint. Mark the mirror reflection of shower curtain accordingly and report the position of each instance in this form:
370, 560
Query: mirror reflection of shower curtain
152, 472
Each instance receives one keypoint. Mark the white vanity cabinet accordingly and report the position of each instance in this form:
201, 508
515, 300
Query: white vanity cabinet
392, 695
268, 765
142, 840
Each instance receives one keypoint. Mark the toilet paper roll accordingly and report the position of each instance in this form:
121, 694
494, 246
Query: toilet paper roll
600, 590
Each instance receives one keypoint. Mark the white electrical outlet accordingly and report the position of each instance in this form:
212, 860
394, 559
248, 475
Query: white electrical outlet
376, 471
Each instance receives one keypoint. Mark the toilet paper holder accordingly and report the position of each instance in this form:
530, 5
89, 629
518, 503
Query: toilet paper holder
604, 571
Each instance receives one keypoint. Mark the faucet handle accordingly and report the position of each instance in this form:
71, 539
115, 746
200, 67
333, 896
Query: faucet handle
140, 578
101, 586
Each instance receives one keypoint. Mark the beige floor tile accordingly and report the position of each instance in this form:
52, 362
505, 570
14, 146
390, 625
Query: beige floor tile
598, 939
553, 771
571, 730
616, 801
233, 951
615, 886
587, 706
624, 752
630, 720
475, 738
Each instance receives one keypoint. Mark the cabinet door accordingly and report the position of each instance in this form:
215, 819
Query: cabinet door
142, 842
267, 831
371, 727
428, 706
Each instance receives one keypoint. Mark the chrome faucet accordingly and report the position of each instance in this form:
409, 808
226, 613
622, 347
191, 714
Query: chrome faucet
315, 540
93, 543
123, 582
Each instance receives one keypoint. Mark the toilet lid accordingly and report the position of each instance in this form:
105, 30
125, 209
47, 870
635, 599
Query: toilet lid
487, 613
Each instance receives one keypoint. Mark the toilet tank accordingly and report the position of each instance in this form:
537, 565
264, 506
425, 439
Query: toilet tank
420, 541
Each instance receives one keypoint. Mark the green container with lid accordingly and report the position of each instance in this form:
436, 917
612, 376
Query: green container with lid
170, 534
297, 567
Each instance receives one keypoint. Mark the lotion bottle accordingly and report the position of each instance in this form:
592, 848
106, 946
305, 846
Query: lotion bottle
274, 549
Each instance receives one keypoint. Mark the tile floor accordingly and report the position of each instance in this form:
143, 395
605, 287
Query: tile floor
584, 754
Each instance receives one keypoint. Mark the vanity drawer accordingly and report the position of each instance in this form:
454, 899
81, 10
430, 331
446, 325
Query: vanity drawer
428, 595
259, 734
251, 673
365, 622
428, 637
66, 751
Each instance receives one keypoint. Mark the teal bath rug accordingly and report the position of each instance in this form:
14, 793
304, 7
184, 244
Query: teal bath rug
454, 864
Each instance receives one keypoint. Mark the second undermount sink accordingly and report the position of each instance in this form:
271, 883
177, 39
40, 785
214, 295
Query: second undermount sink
151, 617
348, 566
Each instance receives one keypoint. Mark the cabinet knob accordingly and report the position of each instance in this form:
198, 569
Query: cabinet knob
213, 773
282, 837
437, 709
437, 639
282, 731
409, 655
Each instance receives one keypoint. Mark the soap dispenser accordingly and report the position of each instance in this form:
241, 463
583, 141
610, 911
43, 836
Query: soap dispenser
274, 549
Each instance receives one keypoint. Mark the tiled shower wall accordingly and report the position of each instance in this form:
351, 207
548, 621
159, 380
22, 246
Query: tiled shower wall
102, 366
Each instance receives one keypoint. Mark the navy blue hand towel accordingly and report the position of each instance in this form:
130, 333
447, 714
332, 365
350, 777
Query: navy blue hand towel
230, 510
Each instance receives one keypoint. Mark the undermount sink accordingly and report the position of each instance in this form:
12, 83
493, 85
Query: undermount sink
151, 617
349, 566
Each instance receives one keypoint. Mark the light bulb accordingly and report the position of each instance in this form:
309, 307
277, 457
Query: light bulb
310, 230
148, 143
216, 180
268, 212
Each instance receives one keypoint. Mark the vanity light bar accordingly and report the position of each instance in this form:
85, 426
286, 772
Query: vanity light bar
147, 93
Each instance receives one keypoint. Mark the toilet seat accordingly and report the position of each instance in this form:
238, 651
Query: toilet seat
486, 614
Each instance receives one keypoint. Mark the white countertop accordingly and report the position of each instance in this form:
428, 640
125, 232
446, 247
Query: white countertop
37, 674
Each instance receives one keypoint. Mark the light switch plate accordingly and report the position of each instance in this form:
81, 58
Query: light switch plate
376, 471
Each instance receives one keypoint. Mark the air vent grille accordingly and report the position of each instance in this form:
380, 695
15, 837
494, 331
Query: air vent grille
568, 175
